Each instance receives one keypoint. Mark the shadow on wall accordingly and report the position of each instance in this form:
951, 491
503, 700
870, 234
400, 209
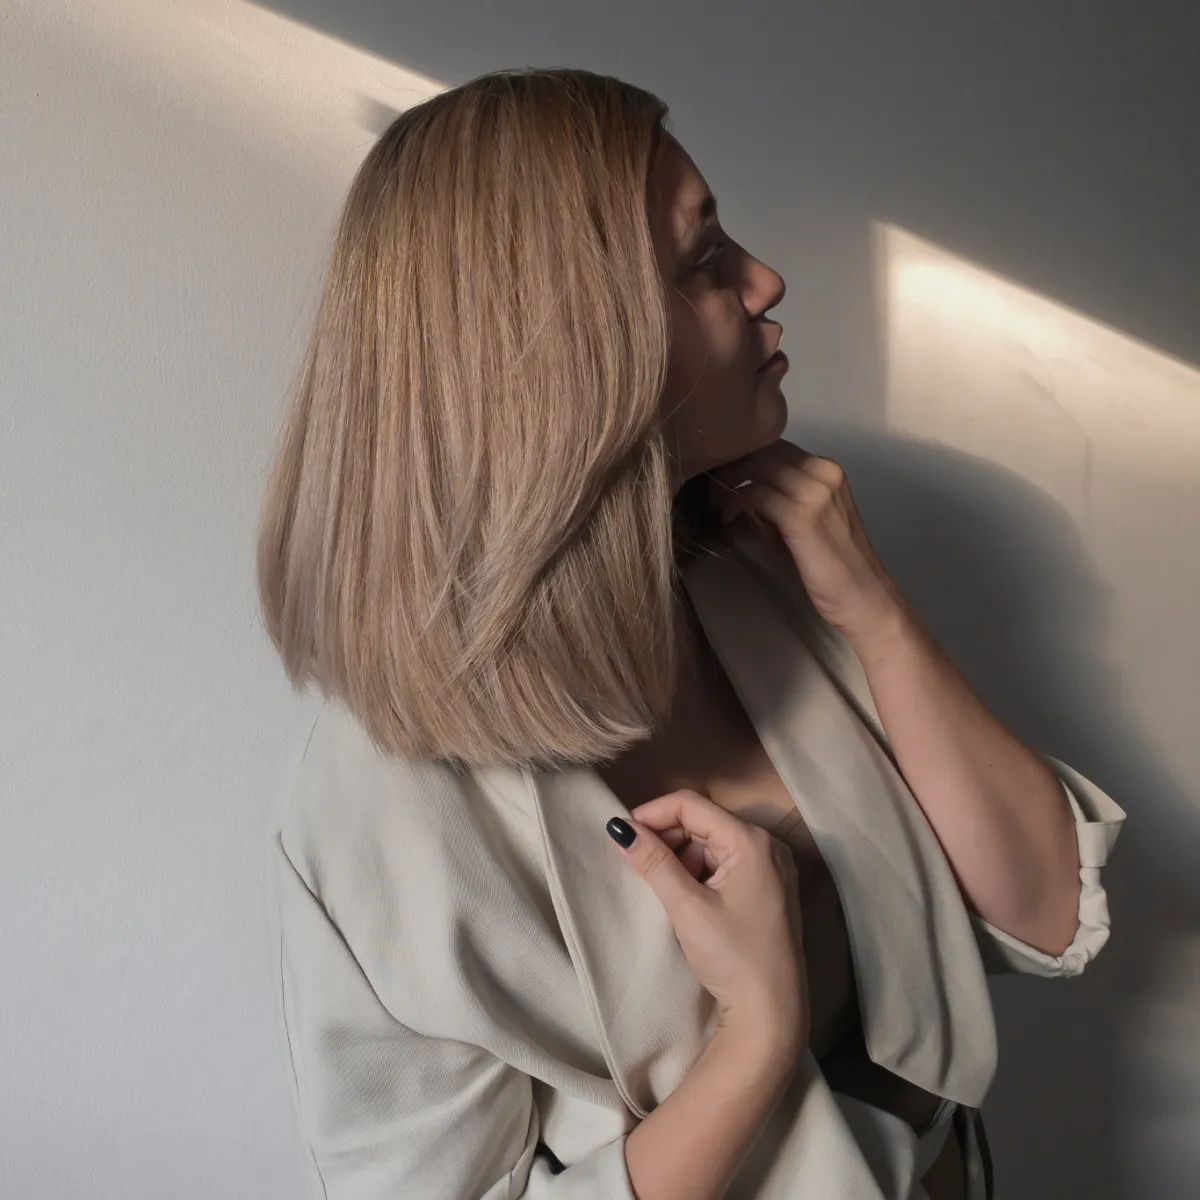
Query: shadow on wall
999, 572
1032, 480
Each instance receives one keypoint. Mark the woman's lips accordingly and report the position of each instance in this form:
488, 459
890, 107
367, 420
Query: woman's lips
775, 362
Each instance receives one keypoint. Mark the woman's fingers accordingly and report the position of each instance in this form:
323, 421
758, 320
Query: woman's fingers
702, 819
692, 855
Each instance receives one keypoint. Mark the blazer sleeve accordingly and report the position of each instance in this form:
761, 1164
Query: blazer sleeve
387, 1113
1097, 823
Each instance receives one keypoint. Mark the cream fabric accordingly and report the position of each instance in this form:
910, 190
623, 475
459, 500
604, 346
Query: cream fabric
470, 975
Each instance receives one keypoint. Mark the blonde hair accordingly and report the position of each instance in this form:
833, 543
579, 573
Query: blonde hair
469, 535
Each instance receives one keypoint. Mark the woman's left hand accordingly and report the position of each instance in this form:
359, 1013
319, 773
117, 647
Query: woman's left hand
807, 499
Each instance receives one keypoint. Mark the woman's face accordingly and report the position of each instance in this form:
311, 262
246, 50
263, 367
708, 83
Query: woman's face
717, 405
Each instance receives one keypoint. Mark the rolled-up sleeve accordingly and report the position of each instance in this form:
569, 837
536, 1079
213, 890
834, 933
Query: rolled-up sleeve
1097, 823
386, 1112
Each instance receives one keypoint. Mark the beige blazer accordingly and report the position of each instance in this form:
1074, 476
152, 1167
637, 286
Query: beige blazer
473, 983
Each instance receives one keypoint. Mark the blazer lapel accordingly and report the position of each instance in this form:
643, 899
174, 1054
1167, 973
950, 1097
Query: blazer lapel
652, 1015
926, 1009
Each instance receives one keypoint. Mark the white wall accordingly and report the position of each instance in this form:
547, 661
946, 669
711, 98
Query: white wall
987, 229
171, 174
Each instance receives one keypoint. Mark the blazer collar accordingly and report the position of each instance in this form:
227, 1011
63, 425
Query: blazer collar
926, 1010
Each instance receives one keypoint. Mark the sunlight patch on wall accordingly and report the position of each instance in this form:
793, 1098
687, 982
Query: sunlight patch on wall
1104, 425
249, 72
977, 362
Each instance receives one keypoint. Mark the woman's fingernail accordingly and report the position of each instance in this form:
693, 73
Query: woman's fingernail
621, 832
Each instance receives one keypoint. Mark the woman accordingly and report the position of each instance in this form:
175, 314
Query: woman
507, 538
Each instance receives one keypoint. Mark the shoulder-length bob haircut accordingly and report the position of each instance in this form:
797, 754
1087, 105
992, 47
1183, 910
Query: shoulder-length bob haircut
469, 536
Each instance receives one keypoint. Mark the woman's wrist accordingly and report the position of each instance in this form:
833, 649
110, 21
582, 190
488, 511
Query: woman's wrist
691, 1145
768, 1044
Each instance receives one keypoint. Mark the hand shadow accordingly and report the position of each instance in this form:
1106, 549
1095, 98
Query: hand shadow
997, 570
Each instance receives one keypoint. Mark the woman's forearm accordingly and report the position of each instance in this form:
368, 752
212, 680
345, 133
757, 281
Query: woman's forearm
691, 1145
996, 807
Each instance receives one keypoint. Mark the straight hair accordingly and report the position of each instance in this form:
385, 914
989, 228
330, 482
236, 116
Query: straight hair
469, 536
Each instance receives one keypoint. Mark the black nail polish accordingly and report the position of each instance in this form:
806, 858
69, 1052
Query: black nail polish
621, 832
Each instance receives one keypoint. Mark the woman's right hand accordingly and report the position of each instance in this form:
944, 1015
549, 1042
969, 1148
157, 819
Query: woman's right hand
730, 891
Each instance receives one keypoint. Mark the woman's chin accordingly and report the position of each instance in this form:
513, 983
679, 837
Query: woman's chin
773, 415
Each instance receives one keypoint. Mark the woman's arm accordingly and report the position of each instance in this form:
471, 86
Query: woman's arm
1003, 819
691, 1145
1000, 813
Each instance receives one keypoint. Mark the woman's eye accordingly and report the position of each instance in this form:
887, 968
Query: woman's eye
714, 258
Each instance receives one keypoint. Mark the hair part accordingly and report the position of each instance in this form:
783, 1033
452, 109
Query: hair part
469, 536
